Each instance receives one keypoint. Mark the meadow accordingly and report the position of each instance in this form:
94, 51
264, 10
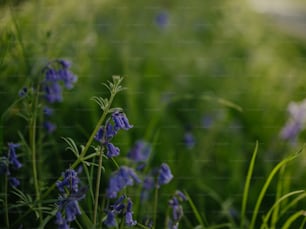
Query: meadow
150, 114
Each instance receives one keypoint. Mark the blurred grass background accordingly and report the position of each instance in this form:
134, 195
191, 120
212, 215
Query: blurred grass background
217, 69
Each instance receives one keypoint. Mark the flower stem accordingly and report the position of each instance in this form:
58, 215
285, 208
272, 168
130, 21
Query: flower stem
155, 206
99, 172
7, 220
32, 134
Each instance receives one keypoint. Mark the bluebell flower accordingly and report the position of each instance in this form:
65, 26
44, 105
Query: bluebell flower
70, 194
51, 75
121, 121
47, 111
120, 179
165, 175
140, 152
64, 63
12, 155
296, 122
177, 209
162, 19
112, 151
49, 127
53, 92
67, 77
110, 220
70, 181
14, 182
129, 214
189, 140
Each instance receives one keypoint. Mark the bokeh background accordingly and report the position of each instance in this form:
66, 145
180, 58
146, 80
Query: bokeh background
222, 72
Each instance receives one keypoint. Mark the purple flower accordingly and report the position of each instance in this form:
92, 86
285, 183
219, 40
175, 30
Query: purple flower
189, 140
14, 182
162, 19
295, 124
67, 77
65, 63
47, 111
112, 151
49, 127
140, 152
12, 155
165, 175
60, 221
177, 209
129, 214
70, 194
53, 92
70, 181
110, 220
123, 177
121, 121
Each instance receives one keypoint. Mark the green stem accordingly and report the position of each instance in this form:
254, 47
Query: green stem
7, 220
155, 207
32, 134
98, 187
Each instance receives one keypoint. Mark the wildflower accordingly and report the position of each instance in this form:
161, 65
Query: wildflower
107, 132
112, 151
10, 160
189, 140
177, 209
49, 126
121, 121
14, 182
53, 92
165, 175
295, 124
162, 19
110, 219
12, 155
140, 152
47, 111
123, 177
70, 194
129, 214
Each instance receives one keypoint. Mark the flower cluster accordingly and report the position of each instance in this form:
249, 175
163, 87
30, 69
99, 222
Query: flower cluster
296, 122
70, 194
120, 208
117, 122
10, 161
177, 209
125, 176
56, 73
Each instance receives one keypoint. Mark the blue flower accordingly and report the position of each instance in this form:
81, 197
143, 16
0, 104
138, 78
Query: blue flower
14, 182
189, 140
112, 151
162, 19
47, 111
49, 126
165, 175
296, 122
70, 181
140, 152
177, 209
129, 214
123, 177
67, 77
53, 92
121, 121
12, 155
110, 220
70, 194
